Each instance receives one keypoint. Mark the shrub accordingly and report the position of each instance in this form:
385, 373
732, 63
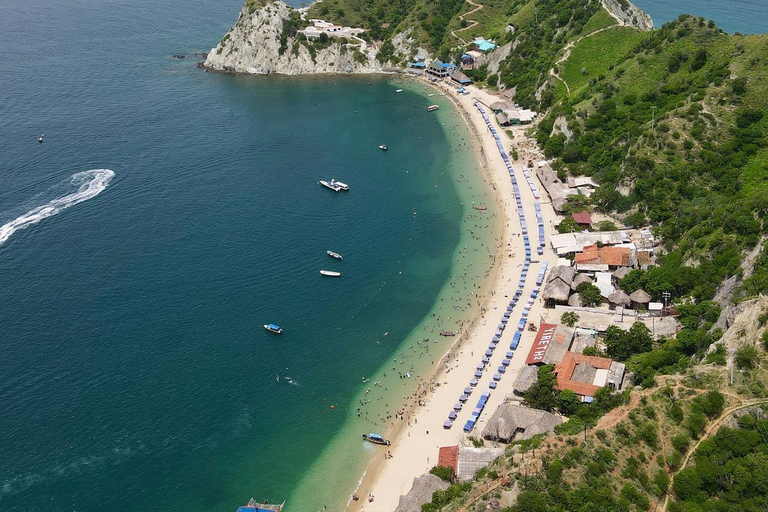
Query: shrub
443, 472
746, 357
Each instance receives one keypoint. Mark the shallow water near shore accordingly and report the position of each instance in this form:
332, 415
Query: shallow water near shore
167, 215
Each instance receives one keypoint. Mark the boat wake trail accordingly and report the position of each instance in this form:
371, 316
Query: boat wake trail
79, 187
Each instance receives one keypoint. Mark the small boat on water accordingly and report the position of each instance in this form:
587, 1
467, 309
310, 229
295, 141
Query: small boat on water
376, 439
253, 506
334, 185
273, 328
398, 90
481, 208
330, 273
334, 255
447, 333
40, 138
383, 147
432, 108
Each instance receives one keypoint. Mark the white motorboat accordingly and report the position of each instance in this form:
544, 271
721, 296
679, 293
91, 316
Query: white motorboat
334, 185
330, 273
398, 90
383, 147
334, 255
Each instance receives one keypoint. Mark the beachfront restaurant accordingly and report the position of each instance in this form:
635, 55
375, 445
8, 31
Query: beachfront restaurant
439, 69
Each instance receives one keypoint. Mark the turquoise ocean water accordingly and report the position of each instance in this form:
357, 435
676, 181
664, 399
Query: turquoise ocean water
745, 16
170, 213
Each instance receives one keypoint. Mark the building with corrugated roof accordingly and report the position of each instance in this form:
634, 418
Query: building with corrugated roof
550, 345
583, 219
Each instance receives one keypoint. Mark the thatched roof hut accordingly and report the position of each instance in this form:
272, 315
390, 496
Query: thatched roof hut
566, 274
640, 297
513, 422
575, 300
621, 272
525, 379
420, 493
619, 298
580, 278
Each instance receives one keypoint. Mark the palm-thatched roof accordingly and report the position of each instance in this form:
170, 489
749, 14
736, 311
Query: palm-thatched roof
420, 493
525, 379
562, 272
556, 290
640, 296
514, 422
621, 272
580, 278
575, 300
619, 298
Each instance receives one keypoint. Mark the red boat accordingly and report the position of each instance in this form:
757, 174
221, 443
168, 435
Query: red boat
481, 208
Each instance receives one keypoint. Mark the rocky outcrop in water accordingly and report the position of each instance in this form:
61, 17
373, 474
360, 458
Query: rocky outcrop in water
264, 41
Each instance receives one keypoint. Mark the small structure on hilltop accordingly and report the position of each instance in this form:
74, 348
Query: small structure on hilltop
484, 45
516, 423
421, 492
584, 375
551, 343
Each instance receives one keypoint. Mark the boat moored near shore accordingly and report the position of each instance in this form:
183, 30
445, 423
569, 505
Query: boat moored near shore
376, 439
432, 108
252, 506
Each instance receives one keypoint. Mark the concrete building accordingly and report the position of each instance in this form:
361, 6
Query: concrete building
550, 345
584, 375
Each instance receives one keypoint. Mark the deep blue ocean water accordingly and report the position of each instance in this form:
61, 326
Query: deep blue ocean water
745, 16
178, 212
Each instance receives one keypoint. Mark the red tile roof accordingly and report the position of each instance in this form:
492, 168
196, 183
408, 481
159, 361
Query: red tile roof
564, 371
582, 218
448, 456
616, 256
587, 255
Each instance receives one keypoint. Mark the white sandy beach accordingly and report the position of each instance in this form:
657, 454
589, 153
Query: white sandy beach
415, 448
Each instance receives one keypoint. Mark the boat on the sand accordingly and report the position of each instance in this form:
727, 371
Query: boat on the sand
376, 439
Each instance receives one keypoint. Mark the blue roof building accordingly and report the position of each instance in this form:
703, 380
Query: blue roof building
484, 45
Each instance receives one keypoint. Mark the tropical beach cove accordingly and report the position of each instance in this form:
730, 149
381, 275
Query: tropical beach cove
512, 302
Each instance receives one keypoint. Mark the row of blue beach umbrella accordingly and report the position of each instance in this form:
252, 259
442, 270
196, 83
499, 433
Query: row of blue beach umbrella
501, 370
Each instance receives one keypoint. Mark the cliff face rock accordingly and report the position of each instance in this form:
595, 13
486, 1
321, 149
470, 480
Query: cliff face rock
629, 14
253, 45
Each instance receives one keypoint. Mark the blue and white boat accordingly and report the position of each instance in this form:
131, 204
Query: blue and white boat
273, 328
376, 439
252, 506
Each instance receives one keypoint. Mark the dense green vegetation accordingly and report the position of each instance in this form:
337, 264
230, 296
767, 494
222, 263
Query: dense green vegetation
677, 120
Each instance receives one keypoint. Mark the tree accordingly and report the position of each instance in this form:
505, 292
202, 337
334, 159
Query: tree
606, 225
444, 472
590, 294
621, 344
746, 357
569, 318
541, 395
568, 402
568, 225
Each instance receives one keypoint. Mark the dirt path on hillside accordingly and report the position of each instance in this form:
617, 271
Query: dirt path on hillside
472, 23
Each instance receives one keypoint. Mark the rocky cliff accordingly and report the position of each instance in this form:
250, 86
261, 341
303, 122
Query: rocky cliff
629, 14
264, 40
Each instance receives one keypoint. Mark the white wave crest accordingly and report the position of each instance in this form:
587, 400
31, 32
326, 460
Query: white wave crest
79, 187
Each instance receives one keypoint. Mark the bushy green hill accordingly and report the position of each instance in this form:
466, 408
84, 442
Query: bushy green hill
673, 126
